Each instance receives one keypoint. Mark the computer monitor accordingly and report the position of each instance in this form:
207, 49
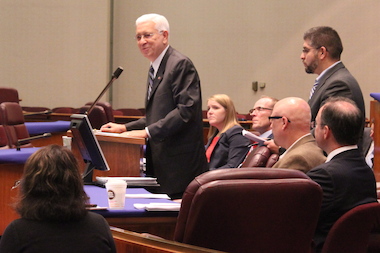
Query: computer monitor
88, 145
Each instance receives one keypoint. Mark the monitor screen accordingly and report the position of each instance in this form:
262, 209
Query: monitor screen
88, 145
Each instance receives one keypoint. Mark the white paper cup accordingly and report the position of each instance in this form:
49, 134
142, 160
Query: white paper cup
66, 140
116, 189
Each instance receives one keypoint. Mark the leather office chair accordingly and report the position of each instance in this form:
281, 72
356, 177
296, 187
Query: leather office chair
107, 107
250, 210
3, 135
13, 122
8, 94
130, 112
64, 110
3, 138
352, 232
260, 157
97, 116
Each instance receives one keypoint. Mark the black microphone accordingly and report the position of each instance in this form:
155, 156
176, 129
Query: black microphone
117, 72
20, 141
115, 76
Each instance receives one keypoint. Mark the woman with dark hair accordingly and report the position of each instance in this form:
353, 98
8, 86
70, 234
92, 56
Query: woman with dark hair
226, 146
52, 206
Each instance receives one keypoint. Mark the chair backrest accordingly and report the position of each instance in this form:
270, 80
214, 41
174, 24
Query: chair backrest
14, 124
97, 116
107, 109
8, 94
260, 157
250, 212
3, 135
64, 110
352, 231
130, 112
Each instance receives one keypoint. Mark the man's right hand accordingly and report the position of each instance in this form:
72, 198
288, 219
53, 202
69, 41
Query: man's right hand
113, 128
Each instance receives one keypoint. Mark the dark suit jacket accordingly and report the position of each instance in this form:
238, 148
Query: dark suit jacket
230, 150
337, 81
175, 151
346, 181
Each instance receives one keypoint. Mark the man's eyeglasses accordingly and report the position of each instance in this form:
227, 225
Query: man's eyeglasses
277, 117
314, 124
146, 36
259, 109
306, 50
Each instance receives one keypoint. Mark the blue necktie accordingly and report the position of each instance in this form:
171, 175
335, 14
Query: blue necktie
151, 78
313, 89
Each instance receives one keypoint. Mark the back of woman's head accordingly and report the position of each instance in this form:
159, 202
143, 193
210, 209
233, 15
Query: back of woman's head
51, 187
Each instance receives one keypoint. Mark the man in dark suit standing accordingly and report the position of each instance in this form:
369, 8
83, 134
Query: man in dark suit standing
345, 178
173, 124
321, 53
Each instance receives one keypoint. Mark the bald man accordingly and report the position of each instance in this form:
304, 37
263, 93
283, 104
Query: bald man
290, 122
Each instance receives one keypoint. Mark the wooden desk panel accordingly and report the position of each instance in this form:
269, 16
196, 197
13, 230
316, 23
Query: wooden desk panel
375, 119
160, 226
127, 241
122, 154
9, 174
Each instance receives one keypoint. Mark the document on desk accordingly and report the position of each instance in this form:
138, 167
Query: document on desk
159, 206
98, 132
131, 181
253, 136
147, 196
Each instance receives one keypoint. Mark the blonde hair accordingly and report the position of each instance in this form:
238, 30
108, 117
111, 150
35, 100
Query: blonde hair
230, 120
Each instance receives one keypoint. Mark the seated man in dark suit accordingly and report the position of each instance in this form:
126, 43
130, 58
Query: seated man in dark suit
345, 178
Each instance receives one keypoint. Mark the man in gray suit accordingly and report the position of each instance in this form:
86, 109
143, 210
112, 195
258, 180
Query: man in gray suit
321, 53
173, 124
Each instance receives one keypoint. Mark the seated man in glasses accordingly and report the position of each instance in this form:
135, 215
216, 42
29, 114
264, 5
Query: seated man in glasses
290, 122
260, 124
260, 113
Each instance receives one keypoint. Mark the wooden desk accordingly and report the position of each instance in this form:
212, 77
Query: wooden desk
9, 174
157, 223
375, 119
127, 241
122, 154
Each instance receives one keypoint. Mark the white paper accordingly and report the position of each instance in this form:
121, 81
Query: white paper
98, 132
131, 181
253, 136
159, 206
147, 196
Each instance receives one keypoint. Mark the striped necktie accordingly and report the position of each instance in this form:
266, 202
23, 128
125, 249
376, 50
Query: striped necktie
151, 78
313, 89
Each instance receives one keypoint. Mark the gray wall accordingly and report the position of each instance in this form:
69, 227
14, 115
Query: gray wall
62, 48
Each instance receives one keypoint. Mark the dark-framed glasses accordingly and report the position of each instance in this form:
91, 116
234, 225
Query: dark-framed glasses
278, 117
259, 109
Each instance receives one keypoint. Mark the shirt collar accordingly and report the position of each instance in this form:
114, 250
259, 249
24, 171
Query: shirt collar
340, 150
324, 71
157, 62
294, 143
266, 134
